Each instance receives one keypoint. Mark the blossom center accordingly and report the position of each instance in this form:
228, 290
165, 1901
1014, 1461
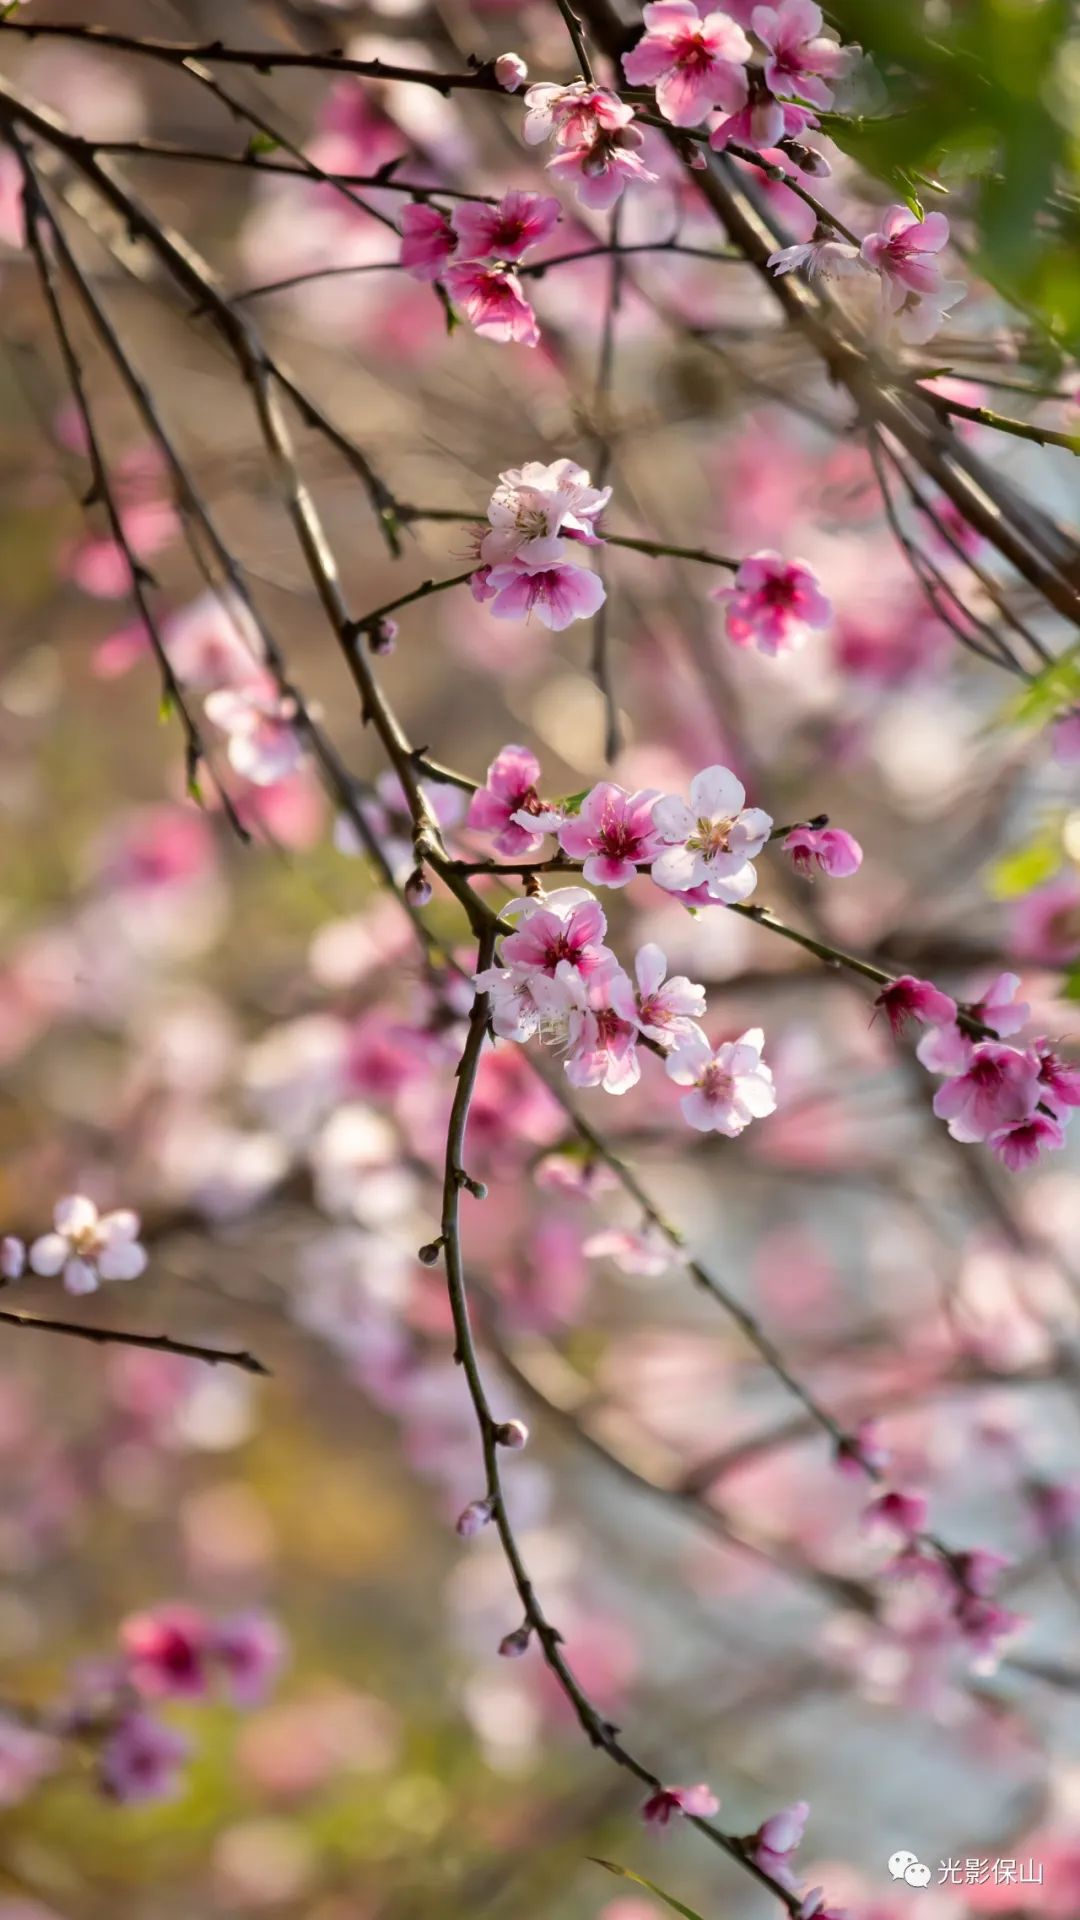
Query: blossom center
712, 837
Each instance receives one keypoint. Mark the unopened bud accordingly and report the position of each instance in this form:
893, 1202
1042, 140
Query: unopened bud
473, 1519
475, 1187
511, 71
382, 636
417, 888
428, 1255
513, 1434
513, 1645
12, 1257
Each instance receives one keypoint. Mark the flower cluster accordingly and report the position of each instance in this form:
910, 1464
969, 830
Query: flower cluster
597, 145
85, 1247
473, 252
915, 296
555, 976
1018, 1100
524, 566
765, 83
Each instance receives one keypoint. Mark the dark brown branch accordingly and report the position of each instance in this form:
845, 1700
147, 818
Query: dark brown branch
154, 1342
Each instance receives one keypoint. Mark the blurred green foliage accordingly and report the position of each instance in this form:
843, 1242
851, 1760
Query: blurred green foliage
983, 96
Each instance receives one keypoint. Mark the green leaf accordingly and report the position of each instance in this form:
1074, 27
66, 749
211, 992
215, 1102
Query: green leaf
261, 143
1070, 985
1052, 690
1025, 867
166, 707
571, 802
624, 1873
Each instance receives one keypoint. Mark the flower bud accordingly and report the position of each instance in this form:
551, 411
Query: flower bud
428, 1255
513, 1645
513, 1434
12, 1257
511, 71
473, 1519
382, 636
417, 888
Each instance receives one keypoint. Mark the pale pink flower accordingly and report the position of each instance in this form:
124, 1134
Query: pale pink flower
987, 1628
819, 259
508, 792
141, 1760
250, 1650
511, 71
909, 998
555, 591
600, 1045
260, 728
944, 1049
695, 64
814, 1907
772, 603
921, 315
663, 1008
493, 301
507, 231
777, 1839
166, 1651
712, 842
518, 1001
998, 1087
829, 848
730, 1084
643, 1251
427, 240
903, 251
1046, 922
613, 833
534, 505
999, 1008
572, 115
214, 642
802, 59
87, 1247
1020, 1143
665, 1802
566, 926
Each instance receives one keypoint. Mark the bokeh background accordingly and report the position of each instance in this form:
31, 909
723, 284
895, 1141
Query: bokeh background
184, 1019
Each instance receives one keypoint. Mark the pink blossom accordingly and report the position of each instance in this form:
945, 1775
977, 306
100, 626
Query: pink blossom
565, 926
603, 166
861, 1452
87, 1247
1020, 1143
909, 998
695, 64
473, 1519
730, 1084
534, 505
904, 1513
777, 1839
27, 1756
492, 299
601, 1044
572, 115
999, 1008
919, 316
214, 642
699, 1801
987, 1628
250, 1650
1059, 1080
814, 1907
141, 1760
998, 1087
772, 603
762, 122
507, 231
555, 591
664, 1009
613, 833
509, 790
801, 58
902, 250
1046, 921
712, 842
829, 848
427, 240
166, 1651
944, 1049
511, 71
260, 728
